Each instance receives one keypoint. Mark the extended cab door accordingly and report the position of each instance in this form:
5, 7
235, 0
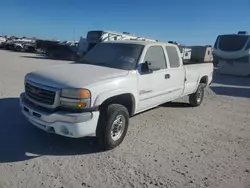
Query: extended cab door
175, 71
153, 86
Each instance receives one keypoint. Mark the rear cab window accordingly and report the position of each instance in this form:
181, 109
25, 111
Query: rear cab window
173, 56
156, 57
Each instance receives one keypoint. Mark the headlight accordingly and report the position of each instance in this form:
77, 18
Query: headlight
75, 93
75, 98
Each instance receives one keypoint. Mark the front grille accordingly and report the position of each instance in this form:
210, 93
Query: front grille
39, 94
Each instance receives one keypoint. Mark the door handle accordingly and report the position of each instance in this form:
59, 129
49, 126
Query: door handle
167, 76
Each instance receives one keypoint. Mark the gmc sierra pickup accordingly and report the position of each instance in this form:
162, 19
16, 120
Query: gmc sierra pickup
115, 80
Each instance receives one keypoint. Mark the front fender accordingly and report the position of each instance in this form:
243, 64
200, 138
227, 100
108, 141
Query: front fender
106, 95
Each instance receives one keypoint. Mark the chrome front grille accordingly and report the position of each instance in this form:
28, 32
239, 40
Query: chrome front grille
40, 95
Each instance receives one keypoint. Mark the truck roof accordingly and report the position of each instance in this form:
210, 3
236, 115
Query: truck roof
140, 42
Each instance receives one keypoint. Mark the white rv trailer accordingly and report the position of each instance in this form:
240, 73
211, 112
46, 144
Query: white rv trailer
232, 53
94, 37
202, 54
186, 53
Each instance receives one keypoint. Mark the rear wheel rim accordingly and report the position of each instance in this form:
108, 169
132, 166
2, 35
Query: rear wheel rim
117, 127
199, 95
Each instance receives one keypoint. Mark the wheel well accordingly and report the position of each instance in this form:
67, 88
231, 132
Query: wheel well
126, 100
204, 80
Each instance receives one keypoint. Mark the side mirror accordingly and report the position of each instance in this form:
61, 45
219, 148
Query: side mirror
145, 68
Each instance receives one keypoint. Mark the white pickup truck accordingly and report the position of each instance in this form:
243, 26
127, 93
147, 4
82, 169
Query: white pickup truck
112, 82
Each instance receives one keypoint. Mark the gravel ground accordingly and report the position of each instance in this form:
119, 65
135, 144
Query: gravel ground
173, 145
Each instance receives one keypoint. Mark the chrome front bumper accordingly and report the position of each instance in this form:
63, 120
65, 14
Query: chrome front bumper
63, 123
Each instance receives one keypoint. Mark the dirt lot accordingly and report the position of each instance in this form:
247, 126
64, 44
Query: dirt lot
173, 145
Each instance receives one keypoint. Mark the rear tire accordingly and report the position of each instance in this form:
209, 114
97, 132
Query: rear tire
196, 98
112, 126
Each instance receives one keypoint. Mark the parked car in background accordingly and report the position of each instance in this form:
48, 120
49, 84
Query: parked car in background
42, 45
9, 44
65, 50
24, 45
2, 41
19, 44
29, 47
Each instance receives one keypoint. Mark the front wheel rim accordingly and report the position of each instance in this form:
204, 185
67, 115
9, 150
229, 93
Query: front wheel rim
117, 127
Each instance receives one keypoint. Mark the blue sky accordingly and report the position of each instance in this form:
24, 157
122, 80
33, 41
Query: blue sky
189, 22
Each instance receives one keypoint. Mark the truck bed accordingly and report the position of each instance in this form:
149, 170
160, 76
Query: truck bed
194, 73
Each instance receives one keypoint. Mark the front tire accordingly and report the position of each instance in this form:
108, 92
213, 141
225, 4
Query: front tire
196, 98
112, 126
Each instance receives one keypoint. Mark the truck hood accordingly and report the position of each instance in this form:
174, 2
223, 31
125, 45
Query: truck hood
73, 75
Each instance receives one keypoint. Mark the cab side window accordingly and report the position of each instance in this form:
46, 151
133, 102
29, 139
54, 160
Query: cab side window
173, 56
156, 58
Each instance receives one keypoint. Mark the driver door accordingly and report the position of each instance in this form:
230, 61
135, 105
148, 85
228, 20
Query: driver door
152, 86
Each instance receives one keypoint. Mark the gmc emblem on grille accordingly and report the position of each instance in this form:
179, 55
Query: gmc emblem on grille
35, 91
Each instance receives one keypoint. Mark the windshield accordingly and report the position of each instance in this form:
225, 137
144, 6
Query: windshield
114, 55
232, 43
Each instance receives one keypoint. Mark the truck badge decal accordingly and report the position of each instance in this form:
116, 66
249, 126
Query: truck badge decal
144, 92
